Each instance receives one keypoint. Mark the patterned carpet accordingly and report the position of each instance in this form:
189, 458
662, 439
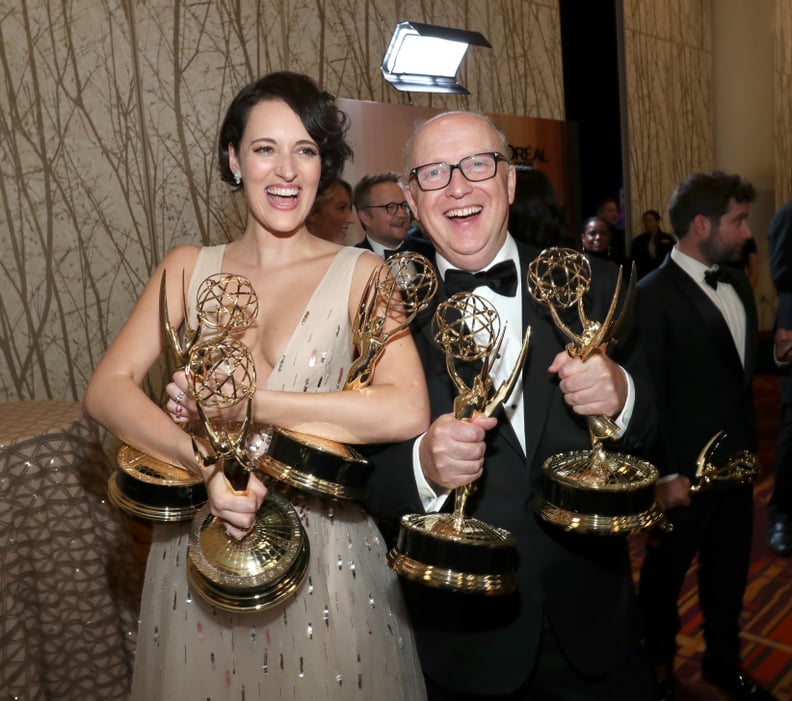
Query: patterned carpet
767, 610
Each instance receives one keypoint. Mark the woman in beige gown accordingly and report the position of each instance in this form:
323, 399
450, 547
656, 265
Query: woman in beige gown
344, 633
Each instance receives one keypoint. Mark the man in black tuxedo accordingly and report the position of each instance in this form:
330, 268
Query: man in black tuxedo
608, 211
698, 325
572, 629
385, 217
651, 246
779, 509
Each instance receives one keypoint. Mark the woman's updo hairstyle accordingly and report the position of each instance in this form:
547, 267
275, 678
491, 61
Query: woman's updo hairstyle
325, 123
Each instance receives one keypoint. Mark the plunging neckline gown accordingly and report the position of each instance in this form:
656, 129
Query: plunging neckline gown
344, 634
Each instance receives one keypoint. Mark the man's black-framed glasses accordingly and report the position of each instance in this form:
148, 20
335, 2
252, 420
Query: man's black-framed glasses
475, 168
392, 207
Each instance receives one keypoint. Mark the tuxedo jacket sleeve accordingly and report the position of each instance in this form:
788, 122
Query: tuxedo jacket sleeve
779, 239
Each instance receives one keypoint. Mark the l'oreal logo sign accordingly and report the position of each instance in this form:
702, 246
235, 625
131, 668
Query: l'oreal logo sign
527, 154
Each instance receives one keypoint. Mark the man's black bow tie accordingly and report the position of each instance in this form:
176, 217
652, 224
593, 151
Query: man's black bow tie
715, 275
502, 278
388, 252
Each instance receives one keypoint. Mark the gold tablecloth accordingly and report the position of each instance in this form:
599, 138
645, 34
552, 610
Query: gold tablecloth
69, 579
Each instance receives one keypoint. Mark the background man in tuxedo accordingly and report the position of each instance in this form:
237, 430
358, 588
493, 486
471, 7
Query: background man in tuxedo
608, 211
385, 216
698, 324
652, 245
571, 631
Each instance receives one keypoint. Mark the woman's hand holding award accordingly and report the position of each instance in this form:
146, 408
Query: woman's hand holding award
270, 562
151, 489
394, 294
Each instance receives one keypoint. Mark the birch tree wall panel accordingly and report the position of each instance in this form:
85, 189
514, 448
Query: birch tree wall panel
670, 103
109, 111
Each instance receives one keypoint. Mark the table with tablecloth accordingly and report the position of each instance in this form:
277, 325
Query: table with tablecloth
69, 577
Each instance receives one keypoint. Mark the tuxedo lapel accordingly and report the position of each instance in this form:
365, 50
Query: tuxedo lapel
542, 348
442, 390
712, 316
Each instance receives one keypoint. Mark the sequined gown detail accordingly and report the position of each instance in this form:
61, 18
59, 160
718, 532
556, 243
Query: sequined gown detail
344, 634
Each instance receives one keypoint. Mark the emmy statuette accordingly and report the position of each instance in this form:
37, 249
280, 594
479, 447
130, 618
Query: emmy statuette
151, 489
398, 289
271, 561
452, 551
590, 491
741, 468
145, 487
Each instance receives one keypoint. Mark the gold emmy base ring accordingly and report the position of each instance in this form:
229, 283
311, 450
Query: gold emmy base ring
257, 572
315, 465
469, 556
615, 498
150, 489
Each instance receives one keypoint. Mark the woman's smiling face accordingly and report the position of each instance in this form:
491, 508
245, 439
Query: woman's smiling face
280, 166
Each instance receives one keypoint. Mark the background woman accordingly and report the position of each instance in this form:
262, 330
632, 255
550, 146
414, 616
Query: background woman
596, 238
331, 213
596, 242
535, 216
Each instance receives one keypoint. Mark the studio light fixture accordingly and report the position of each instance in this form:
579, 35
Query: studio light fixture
425, 57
